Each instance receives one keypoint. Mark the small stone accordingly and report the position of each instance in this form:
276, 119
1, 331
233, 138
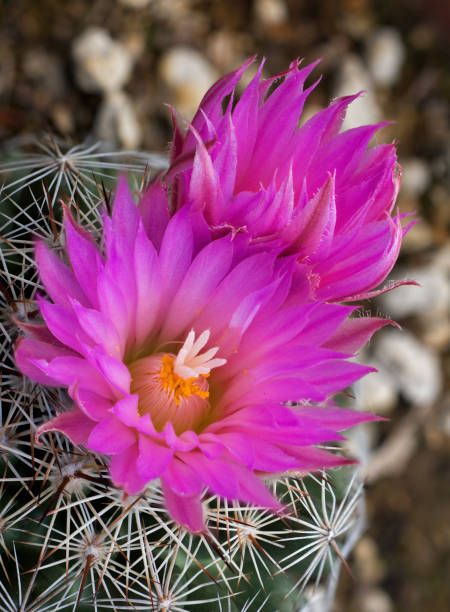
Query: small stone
316, 599
419, 237
414, 367
136, 4
430, 299
135, 43
376, 392
385, 55
375, 600
394, 455
63, 118
117, 121
45, 70
227, 49
270, 12
367, 558
415, 176
436, 332
442, 258
102, 63
354, 77
189, 75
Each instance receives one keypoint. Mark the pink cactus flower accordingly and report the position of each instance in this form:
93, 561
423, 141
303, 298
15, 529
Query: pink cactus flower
313, 191
180, 354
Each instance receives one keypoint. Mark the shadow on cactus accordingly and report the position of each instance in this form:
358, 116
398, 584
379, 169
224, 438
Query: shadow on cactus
177, 348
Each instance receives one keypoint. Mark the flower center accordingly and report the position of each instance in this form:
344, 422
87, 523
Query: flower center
174, 387
177, 386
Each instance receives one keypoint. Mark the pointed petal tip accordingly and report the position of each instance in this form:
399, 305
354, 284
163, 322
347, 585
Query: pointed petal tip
185, 510
73, 424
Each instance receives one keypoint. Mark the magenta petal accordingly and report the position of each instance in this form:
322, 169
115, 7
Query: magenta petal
305, 433
120, 270
113, 306
85, 259
354, 333
125, 216
368, 295
204, 274
323, 321
74, 424
270, 457
245, 121
111, 437
37, 331
126, 410
155, 214
63, 324
210, 445
28, 350
99, 328
186, 442
320, 219
252, 490
176, 145
336, 418
251, 305
312, 459
226, 159
93, 405
344, 153
275, 136
114, 370
58, 279
182, 479
123, 471
366, 266
153, 458
176, 253
216, 474
148, 285
320, 128
240, 445
188, 511
70, 370
204, 188
145, 426
211, 105
334, 376
280, 390
249, 275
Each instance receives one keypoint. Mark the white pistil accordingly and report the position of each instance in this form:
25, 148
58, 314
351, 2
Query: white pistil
189, 363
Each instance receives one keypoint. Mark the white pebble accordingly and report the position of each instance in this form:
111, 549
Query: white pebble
271, 12
432, 298
117, 121
352, 78
376, 392
189, 75
102, 63
137, 4
415, 176
414, 367
385, 55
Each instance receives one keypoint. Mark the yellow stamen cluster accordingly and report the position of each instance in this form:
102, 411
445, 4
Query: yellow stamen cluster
174, 384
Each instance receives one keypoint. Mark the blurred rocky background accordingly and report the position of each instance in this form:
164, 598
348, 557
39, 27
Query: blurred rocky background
105, 69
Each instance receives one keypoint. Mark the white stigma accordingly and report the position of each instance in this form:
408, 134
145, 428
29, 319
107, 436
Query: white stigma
189, 363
